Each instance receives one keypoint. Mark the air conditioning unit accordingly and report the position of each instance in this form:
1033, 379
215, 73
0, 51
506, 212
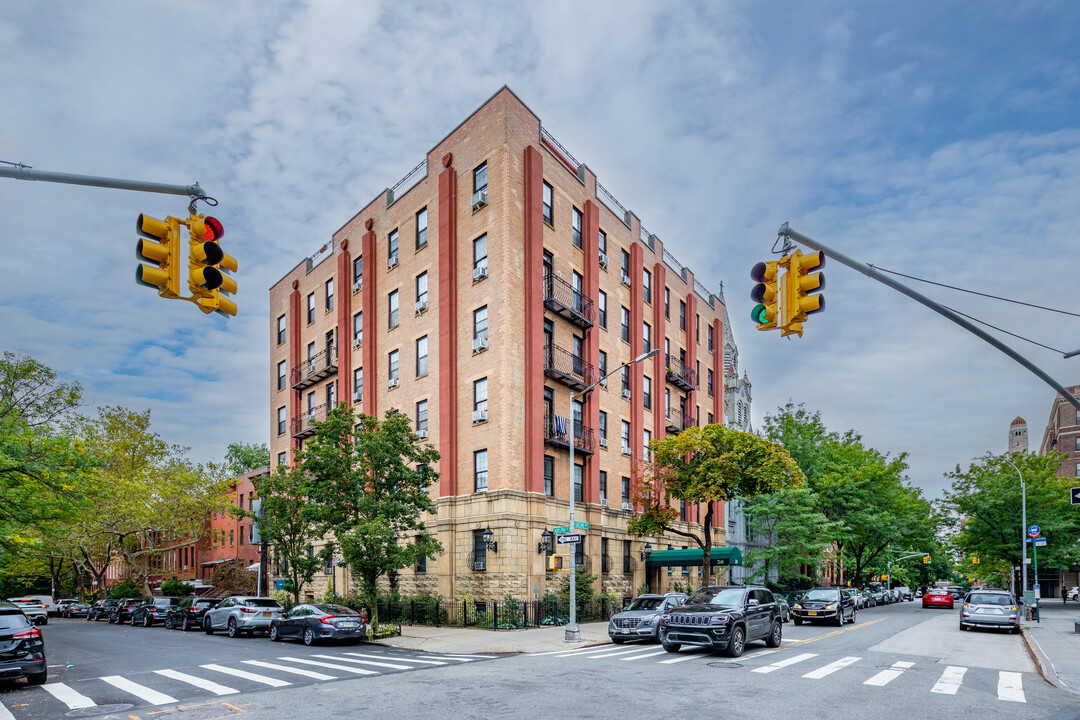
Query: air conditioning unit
391, 263
422, 434
626, 394
393, 383
603, 442
479, 199
421, 306
626, 280
479, 344
479, 272
479, 565
603, 261
357, 340
627, 506
603, 502
357, 397
358, 285
625, 449
603, 382
479, 416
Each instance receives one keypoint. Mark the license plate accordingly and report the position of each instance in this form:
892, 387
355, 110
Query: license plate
990, 611
812, 612
347, 624
266, 614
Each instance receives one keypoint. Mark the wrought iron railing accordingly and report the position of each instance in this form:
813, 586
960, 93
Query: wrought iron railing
555, 434
674, 264
677, 421
612, 204
680, 374
561, 153
574, 303
304, 425
315, 368
565, 363
407, 183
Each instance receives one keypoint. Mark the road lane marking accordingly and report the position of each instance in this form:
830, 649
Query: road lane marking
5, 714
784, 663
835, 632
831, 668
254, 677
198, 682
638, 657
1011, 687
616, 654
392, 666
466, 658
397, 659
140, 691
74, 700
584, 651
295, 671
332, 666
685, 656
950, 680
885, 677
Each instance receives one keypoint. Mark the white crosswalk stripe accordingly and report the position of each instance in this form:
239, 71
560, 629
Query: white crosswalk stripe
683, 658
885, 677
140, 691
646, 655
1011, 687
583, 651
950, 680
291, 670
376, 663
617, 653
832, 667
332, 666
198, 682
397, 659
74, 700
253, 677
5, 714
784, 663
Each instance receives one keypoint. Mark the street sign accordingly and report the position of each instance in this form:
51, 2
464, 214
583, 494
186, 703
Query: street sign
568, 539
561, 530
578, 525
1074, 495
1039, 542
1034, 531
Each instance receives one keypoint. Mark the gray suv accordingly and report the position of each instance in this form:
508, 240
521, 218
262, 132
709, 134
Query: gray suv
641, 618
241, 614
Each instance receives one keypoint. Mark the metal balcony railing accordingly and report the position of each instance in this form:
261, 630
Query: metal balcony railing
303, 426
477, 561
557, 434
628, 564
316, 368
677, 421
560, 297
679, 374
562, 365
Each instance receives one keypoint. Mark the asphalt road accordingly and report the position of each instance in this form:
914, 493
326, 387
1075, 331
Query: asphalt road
896, 661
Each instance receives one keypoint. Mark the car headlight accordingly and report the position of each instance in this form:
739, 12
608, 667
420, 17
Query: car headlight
648, 620
798, 606
719, 620
831, 606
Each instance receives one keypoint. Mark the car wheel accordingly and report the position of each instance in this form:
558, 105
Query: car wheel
185, 624
168, 623
233, 630
618, 640
775, 636
309, 636
962, 625
853, 614
798, 621
840, 617
737, 644
146, 621
45, 621
37, 678
133, 623
274, 637
207, 626
670, 647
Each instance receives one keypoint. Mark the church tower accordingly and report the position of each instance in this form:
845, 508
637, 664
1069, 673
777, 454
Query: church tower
1018, 439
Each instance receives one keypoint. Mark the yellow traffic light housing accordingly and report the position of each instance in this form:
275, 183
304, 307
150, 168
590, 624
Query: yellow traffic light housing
162, 248
926, 560
799, 283
558, 563
208, 283
766, 294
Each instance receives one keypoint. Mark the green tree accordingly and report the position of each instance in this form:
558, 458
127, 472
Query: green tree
706, 465
288, 524
173, 586
373, 479
798, 534
243, 458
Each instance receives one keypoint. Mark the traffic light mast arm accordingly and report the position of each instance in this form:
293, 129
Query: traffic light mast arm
865, 269
25, 172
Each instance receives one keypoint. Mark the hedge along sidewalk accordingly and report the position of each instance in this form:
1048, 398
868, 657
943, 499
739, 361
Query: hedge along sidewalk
477, 641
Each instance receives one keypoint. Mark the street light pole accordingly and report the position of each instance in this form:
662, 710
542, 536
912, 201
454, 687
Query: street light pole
573, 632
1023, 526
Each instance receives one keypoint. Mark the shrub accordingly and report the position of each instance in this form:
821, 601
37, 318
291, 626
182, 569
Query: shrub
172, 586
124, 589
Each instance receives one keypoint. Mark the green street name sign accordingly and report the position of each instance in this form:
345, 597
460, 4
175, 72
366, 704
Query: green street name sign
581, 525
561, 530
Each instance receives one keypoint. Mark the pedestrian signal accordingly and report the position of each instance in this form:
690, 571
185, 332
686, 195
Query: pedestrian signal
556, 563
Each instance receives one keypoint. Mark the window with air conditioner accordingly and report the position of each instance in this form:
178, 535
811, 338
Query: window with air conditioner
394, 367
480, 258
603, 261
480, 187
421, 292
392, 249
358, 329
422, 418
480, 400
480, 329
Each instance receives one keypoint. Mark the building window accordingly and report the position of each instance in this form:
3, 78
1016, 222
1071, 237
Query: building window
646, 398
393, 366
549, 204
392, 247
393, 309
479, 552
646, 285
647, 438
625, 379
358, 384
709, 383
480, 469
646, 337
577, 282
421, 228
232, 537
1078, 443
624, 314
281, 458
626, 489
479, 178
480, 395
667, 303
421, 418
479, 253
421, 563
602, 305
575, 227
710, 418
624, 266
603, 488
281, 375
357, 272
577, 483
579, 551
329, 294
358, 329
281, 420
311, 357
709, 334
1078, 417
480, 324
549, 476
682, 315
281, 330
421, 292
603, 367
241, 536
421, 356
603, 427
311, 308
667, 402
331, 394
625, 437
697, 328
601, 241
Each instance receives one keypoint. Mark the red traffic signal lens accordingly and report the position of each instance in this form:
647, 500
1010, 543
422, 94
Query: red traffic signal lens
212, 230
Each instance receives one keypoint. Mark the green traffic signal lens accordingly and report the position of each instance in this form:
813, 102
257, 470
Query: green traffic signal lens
759, 314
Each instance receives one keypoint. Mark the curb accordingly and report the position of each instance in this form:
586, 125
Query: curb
1046, 668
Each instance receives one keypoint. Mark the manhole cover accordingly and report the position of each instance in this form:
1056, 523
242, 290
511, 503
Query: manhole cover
720, 665
98, 710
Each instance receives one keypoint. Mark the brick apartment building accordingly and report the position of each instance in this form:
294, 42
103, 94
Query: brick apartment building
229, 537
475, 296
1062, 433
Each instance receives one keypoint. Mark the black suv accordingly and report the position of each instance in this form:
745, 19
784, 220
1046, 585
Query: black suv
189, 613
829, 604
152, 610
121, 612
22, 649
723, 618
101, 609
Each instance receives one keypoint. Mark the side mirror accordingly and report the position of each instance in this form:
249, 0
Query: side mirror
752, 603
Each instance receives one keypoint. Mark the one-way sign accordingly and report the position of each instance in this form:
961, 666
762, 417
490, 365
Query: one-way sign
1074, 495
568, 539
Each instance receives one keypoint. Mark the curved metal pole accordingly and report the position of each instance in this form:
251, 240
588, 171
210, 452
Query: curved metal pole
22, 172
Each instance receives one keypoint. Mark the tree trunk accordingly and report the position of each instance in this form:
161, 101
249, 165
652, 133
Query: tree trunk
706, 550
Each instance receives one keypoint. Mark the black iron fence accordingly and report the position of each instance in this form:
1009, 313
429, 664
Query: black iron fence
505, 614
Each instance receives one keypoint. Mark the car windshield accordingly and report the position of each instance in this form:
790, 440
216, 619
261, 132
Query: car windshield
336, 609
724, 597
262, 602
646, 603
989, 599
818, 595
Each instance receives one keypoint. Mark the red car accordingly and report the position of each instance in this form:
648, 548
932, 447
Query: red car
937, 598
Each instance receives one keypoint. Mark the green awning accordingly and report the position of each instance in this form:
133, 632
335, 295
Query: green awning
718, 556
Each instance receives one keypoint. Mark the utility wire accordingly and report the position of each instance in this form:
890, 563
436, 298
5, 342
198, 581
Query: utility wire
974, 292
995, 327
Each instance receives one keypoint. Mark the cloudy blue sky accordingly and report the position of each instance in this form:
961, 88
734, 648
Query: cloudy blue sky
939, 139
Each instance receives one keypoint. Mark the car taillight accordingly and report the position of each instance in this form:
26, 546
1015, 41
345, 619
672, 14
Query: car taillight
27, 634
325, 620
248, 610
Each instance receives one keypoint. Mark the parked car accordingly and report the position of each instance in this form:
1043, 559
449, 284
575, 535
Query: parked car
868, 598
22, 648
641, 618
189, 613
956, 592
153, 610
937, 597
1074, 593
905, 593
828, 604
724, 618
785, 609
853, 594
121, 612
101, 609
33, 608
241, 614
312, 622
63, 605
78, 610
990, 608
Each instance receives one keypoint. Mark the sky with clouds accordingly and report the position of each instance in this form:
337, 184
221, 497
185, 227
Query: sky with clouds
936, 139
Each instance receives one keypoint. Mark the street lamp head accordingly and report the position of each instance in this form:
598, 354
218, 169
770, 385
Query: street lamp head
645, 356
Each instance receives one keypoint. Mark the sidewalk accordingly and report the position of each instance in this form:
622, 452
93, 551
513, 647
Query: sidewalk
472, 641
1055, 645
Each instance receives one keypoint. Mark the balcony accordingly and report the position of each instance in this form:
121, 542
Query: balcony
569, 369
677, 421
303, 426
556, 434
679, 375
560, 297
316, 368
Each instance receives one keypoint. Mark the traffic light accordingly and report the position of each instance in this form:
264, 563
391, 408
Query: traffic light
207, 261
765, 294
799, 283
926, 560
975, 559
162, 249
558, 562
